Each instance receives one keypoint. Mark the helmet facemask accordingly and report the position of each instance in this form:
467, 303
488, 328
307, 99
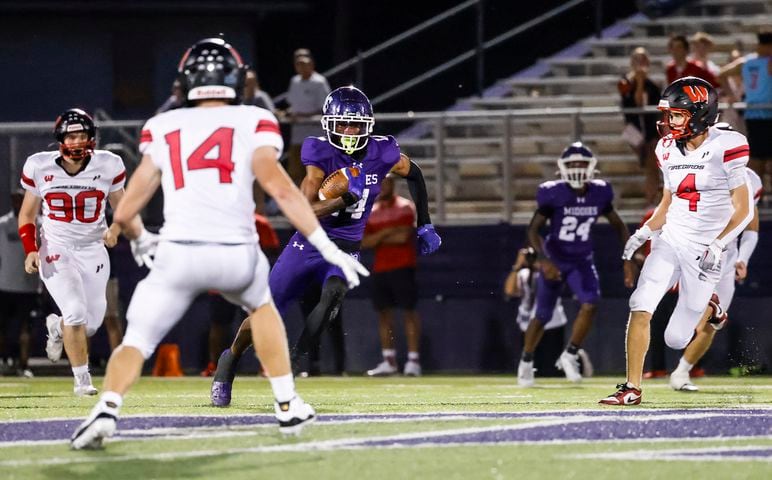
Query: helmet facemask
75, 121
666, 128
577, 172
336, 125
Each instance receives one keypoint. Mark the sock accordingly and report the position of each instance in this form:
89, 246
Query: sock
283, 387
527, 356
412, 357
390, 355
572, 348
112, 400
77, 371
683, 366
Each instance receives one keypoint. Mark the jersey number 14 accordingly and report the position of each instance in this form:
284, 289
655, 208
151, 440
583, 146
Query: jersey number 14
222, 138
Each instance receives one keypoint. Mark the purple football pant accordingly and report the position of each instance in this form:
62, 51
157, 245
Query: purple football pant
299, 265
581, 277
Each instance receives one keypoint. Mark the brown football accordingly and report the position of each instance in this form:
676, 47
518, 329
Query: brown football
336, 184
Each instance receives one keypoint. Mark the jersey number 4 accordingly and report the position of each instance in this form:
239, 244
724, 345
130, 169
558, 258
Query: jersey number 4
687, 190
222, 138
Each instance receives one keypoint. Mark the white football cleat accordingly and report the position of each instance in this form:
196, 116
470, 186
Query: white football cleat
83, 385
587, 368
412, 369
570, 366
55, 342
100, 424
294, 415
525, 374
383, 369
681, 382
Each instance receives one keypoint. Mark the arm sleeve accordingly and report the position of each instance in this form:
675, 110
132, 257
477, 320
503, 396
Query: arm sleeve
119, 179
735, 159
28, 178
544, 201
267, 133
609, 206
417, 186
658, 151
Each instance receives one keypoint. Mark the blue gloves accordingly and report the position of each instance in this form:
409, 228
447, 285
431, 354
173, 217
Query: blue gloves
356, 183
428, 240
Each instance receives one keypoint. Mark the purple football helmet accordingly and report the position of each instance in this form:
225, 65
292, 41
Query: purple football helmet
347, 118
577, 165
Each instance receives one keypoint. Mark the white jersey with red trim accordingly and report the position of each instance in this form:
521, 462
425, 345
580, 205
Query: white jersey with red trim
73, 205
700, 182
205, 158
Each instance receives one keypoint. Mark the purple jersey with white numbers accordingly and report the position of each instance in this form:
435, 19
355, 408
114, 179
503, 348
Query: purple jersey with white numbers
572, 215
381, 154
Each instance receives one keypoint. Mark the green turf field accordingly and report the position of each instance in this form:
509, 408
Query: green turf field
432, 427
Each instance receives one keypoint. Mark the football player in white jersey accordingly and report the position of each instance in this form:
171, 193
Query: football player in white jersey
206, 158
705, 205
72, 184
734, 268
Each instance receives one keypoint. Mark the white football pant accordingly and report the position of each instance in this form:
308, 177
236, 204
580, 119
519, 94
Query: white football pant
666, 265
181, 272
76, 277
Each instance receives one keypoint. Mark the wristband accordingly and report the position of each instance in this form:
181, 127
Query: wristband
28, 236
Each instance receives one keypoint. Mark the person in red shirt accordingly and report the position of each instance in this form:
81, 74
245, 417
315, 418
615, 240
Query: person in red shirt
681, 66
390, 231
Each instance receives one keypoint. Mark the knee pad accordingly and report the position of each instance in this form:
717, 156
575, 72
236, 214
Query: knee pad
677, 339
74, 314
333, 291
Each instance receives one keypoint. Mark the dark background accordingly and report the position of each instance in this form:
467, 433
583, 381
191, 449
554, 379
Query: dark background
122, 56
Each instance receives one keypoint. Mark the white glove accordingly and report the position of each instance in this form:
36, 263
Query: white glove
635, 241
143, 248
350, 266
711, 259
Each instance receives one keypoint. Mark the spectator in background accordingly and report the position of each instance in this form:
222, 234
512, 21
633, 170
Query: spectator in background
253, 95
681, 66
733, 91
305, 96
756, 71
390, 231
175, 100
640, 132
702, 46
18, 291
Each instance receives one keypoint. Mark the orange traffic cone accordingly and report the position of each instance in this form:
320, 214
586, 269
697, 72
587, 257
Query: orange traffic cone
167, 362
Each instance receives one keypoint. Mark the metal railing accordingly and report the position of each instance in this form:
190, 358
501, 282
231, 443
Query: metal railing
22, 139
478, 52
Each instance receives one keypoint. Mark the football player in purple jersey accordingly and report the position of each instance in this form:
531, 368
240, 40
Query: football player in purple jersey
572, 205
347, 119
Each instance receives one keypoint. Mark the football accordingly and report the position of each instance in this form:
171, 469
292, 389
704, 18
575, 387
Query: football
336, 184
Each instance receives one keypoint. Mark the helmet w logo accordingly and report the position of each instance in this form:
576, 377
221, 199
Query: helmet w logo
696, 93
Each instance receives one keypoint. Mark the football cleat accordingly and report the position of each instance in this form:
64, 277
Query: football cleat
570, 365
294, 415
55, 342
385, 368
720, 317
625, 395
525, 374
412, 369
680, 382
222, 383
83, 385
99, 425
587, 368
